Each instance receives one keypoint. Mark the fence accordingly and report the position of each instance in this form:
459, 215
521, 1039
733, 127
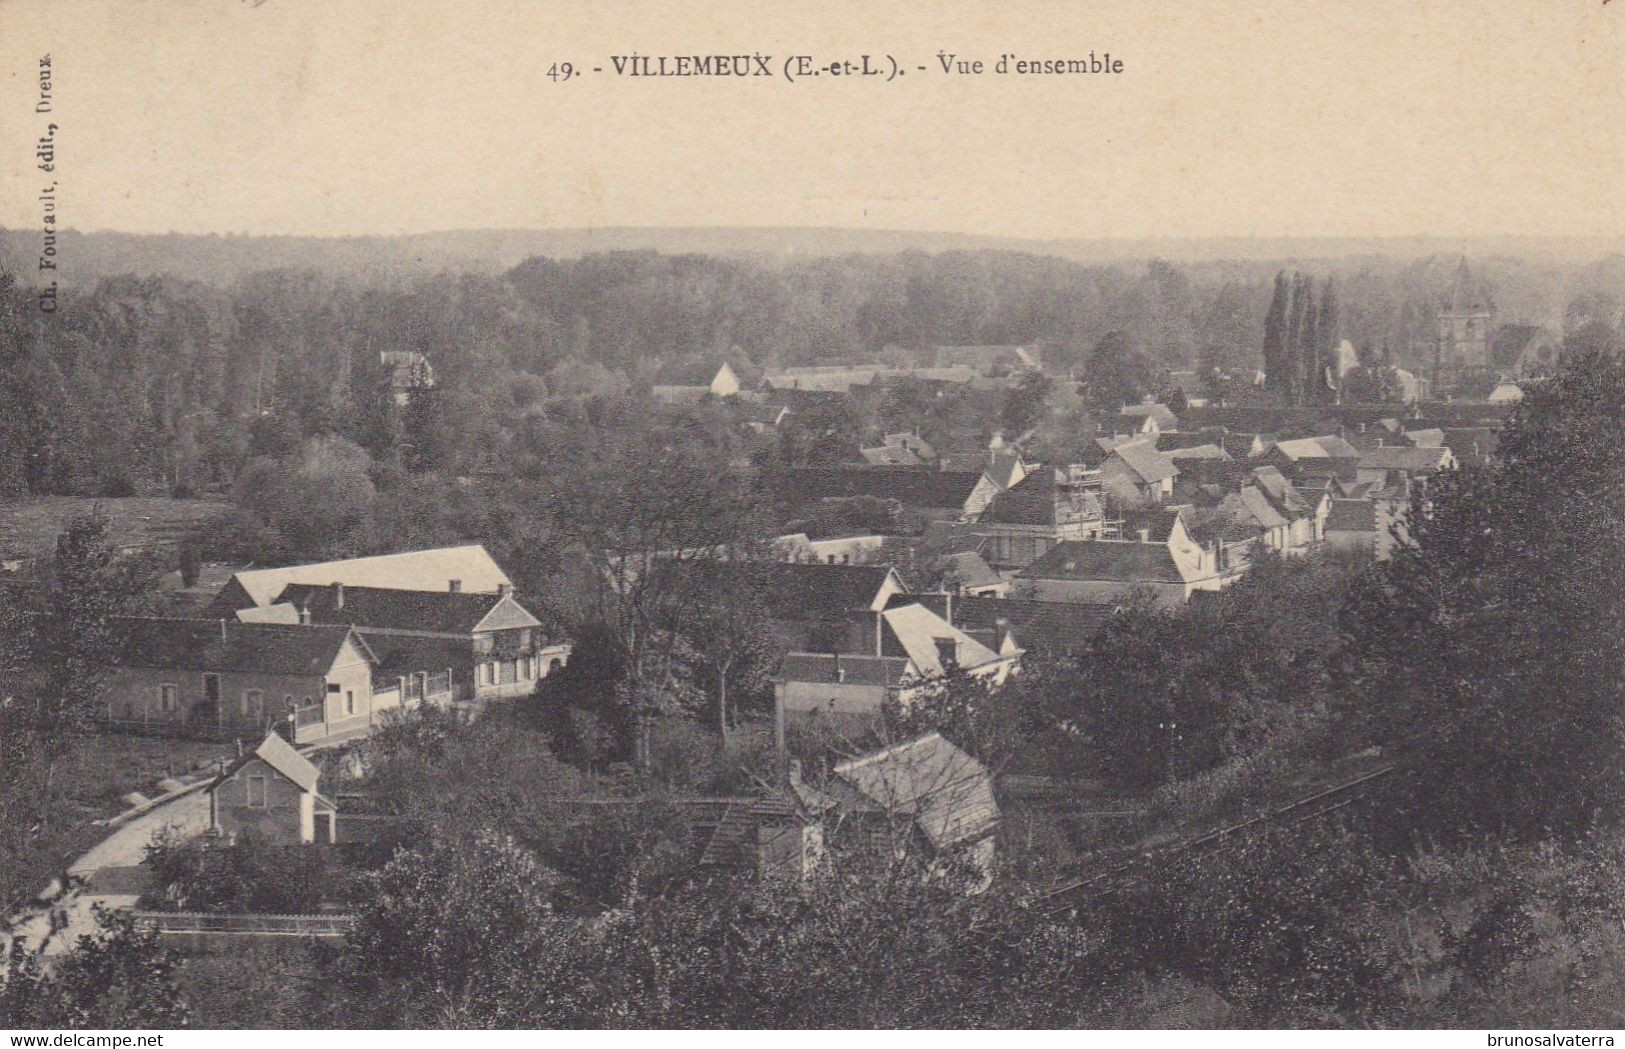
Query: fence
164, 923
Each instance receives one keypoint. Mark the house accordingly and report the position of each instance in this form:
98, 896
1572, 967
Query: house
813, 607
924, 797
1046, 507
843, 694
1250, 509
1148, 419
1202, 463
823, 378
1134, 471
967, 572
937, 494
1303, 505
408, 370
272, 792
1357, 524
465, 568
1313, 458
1381, 465
990, 360
1109, 571
724, 384
1033, 626
490, 644
890, 455
222, 677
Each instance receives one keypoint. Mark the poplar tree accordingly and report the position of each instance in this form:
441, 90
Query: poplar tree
1275, 359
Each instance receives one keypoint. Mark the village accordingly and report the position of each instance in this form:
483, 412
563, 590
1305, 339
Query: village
1011, 623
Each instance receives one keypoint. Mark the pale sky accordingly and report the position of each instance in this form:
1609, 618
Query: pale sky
1239, 118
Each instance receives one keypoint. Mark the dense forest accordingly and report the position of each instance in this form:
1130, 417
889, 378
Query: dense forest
154, 384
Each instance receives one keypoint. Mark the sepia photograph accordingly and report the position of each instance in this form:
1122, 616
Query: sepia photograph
936, 515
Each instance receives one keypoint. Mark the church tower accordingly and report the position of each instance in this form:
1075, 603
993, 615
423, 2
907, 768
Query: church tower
1464, 322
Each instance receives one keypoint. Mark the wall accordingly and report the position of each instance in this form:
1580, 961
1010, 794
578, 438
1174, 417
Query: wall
132, 694
279, 821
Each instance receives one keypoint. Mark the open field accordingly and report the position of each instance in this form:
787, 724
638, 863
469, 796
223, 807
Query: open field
29, 527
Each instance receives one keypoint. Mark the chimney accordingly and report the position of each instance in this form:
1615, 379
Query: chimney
304, 617
840, 671
338, 596
223, 639
455, 585
504, 589
1145, 535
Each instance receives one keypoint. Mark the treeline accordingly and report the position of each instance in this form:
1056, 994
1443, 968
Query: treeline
153, 383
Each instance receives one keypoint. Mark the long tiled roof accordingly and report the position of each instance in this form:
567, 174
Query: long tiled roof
433, 569
1410, 460
227, 645
792, 590
1037, 625
878, 671
1107, 559
909, 485
438, 611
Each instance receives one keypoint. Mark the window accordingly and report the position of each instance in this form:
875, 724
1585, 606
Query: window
349, 702
256, 792
253, 702
333, 687
167, 700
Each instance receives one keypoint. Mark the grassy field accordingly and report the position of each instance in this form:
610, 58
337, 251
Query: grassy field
85, 787
29, 527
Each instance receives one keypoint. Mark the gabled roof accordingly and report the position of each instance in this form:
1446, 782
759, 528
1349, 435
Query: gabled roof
280, 755
969, 570
1148, 464
432, 569
1352, 515
227, 645
1256, 508
889, 455
1161, 413
1054, 626
282, 612
1199, 452
1113, 560
916, 631
1328, 447
909, 485
1004, 467
946, 792
435, 611
1431, 437
820, 668
1038, 500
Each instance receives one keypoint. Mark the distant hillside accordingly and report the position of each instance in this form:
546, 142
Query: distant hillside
221, 260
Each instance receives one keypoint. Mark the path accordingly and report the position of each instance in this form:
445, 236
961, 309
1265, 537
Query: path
109, 874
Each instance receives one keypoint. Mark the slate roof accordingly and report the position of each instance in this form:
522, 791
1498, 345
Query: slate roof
1115, 560
877, 671
1352, 515
1257, 506
909, 485
227, 645
946, 792
1329, 447
437, 611
413, 570
1147, 463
